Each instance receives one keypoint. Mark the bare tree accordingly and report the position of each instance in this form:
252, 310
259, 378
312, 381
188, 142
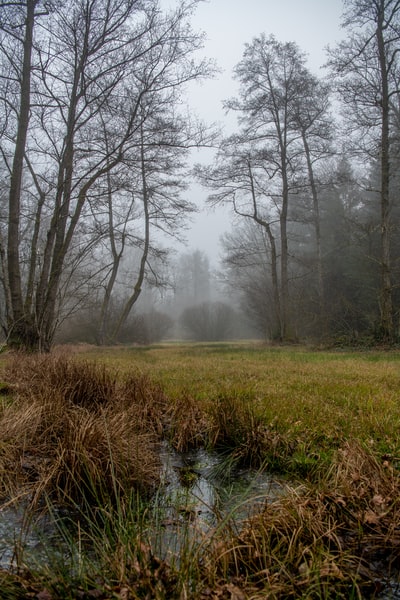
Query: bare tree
18, 26
101, 63
313, 120
366, 66
155, 176
247, 273
282, 111
238, 179
270, 75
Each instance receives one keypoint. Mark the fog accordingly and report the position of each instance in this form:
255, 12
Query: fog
308, 241
228, 25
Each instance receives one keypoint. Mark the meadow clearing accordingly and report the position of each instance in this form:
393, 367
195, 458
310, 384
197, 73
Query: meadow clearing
81, 430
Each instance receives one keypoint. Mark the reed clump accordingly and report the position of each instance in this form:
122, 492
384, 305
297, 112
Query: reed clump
144, 401
86, 384
189, 424
72, 430
331, 540
238, 425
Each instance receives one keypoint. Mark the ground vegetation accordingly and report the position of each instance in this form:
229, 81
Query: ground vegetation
83, 432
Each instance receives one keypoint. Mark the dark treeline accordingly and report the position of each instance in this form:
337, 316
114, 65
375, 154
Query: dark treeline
94, 149
312, 176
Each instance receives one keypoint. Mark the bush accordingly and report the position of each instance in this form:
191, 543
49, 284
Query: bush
209, 321
146, 328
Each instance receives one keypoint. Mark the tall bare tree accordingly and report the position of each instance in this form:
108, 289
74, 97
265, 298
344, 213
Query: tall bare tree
247, 273
98, 63
258, 170
18, 26
269, 76
366, 65
238, 179
312, 118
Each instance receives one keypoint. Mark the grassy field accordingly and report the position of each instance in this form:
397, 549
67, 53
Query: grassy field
320, 396
327, 421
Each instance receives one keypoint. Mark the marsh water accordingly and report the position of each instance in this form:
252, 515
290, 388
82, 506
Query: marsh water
203, 491
200, 492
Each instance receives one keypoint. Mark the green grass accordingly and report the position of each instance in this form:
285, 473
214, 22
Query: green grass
326, 396
329, 421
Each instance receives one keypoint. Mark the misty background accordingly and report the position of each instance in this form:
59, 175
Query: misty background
228, 26
199, 170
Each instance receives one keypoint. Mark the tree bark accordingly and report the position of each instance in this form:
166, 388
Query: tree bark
387, 329
116, 260
274, 261
142, 268
21, 330
285, 325
317, 229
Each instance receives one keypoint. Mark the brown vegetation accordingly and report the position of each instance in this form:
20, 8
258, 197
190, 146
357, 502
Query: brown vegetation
72, 430
75, 431
340, 539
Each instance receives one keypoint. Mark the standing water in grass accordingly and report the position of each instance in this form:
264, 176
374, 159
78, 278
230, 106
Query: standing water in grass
198, 488
206, 490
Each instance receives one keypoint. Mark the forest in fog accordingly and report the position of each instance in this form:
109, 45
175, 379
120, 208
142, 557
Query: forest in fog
96, 158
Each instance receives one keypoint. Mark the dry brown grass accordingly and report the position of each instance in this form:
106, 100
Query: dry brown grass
343, 535
238, 424
72, 430
189, 424
87, 384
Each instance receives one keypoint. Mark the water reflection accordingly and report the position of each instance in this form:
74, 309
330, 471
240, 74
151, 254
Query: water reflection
204, 490
200, 492
26, 536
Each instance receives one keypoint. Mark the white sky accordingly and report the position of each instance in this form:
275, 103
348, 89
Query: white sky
229, 24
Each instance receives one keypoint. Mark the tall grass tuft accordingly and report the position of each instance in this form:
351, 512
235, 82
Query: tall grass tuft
86, 384
71, 430
239, 426
334, 540
145, 402
189, 424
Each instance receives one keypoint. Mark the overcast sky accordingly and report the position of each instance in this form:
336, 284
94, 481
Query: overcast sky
229, 25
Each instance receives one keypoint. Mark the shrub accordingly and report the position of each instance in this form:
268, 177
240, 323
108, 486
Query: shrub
209, 321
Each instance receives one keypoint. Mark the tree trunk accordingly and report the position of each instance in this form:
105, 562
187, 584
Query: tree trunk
285, 325
317, 228
21, 331
387, 329
277, 329
103, 333
142, 269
